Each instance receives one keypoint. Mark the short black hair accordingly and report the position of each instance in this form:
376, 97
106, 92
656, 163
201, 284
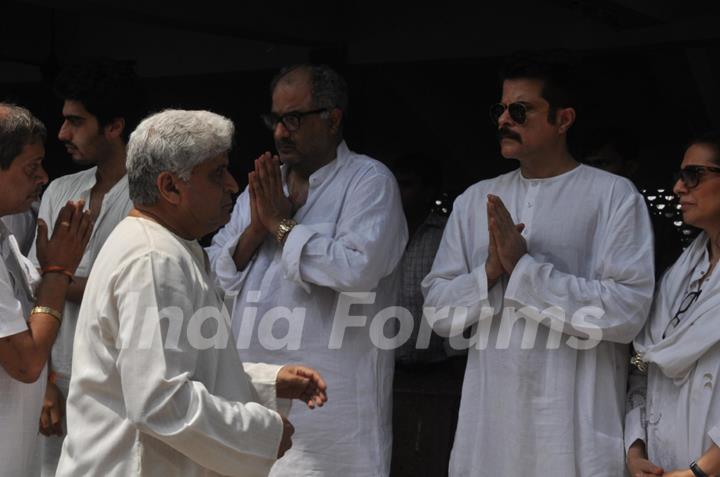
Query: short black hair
710, 139
556, 71
18, 128
329, 89
107, 89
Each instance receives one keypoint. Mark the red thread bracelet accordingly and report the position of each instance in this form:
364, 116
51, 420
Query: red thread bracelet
58, 269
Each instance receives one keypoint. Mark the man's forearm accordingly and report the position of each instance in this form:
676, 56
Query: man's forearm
710, 461
24, 355
247, 245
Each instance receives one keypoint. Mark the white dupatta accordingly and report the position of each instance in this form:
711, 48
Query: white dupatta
699, 327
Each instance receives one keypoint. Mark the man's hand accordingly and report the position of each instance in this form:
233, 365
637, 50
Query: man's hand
267, 192
637, 463
71, 234
303, 383
493, 268
678, 473
286, 441
509, 244
52, 412
256, 226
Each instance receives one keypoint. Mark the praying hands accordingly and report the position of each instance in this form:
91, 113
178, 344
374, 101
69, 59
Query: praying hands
268, 203
506, 244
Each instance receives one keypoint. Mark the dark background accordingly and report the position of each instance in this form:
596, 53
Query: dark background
421, 78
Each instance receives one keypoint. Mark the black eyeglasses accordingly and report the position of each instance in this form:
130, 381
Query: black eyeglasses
518, 112
290, 120
685, 305
690, 175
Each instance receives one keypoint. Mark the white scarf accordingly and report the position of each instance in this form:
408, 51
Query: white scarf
699, 328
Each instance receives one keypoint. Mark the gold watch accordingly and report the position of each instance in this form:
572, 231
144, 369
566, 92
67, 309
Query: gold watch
284, 228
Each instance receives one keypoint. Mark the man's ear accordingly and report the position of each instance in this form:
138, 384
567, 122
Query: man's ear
168, 187
565, 119
336, 116
114, 129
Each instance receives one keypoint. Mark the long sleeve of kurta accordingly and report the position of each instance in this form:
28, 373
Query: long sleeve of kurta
223, 245
365, 246
621, 286
160, 395
635, 420
456, 283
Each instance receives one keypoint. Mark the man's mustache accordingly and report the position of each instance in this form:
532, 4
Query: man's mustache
284, 143
507, 133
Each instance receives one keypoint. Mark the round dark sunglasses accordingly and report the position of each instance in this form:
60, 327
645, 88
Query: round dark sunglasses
517, 111
690, 175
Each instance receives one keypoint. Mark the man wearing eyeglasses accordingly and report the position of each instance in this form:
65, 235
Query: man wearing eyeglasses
559, 255
318, 220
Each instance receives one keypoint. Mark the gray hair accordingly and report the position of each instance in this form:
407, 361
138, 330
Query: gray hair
18, 128
173, 141
329, 89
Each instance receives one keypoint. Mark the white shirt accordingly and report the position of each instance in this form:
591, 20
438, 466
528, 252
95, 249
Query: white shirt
675, 408
115, 207
22, 226
526, 409
155, 388
20, 403
350, 236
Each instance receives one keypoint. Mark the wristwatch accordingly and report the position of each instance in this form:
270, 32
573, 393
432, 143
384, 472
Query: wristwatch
696, 470
284, 228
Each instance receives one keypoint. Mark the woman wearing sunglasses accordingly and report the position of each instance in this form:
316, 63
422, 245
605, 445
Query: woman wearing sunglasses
673, 419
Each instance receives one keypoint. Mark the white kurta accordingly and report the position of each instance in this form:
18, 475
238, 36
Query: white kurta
115, 207
527, 409
20, 403
157, 388
22, 226
675, 409
350, 236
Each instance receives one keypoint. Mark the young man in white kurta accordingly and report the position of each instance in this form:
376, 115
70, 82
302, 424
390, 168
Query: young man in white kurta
98, 98
115, 207
543, 406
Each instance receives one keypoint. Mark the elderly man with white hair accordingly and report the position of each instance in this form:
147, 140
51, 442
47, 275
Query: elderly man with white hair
157, 387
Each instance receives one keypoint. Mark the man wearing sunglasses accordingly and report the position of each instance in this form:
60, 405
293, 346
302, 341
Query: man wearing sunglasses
552, 267
327, 221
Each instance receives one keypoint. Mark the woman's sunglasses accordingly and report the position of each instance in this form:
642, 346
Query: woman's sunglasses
690, 175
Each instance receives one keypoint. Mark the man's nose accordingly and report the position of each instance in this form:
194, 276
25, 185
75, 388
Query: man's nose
231, 184
280, 131
505, 119
42, 176
64, 133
